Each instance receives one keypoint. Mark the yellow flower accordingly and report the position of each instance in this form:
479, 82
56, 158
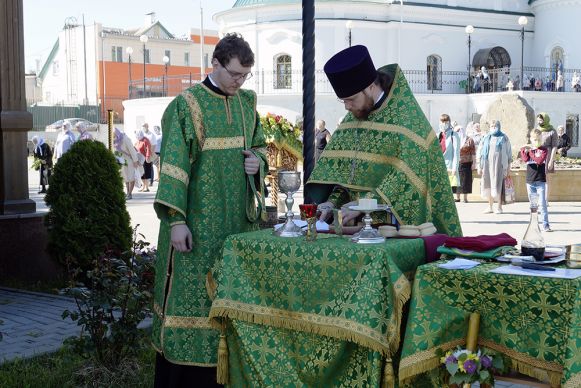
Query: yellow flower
461, 366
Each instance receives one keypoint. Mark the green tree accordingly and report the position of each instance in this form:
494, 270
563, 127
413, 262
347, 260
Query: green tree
87, 215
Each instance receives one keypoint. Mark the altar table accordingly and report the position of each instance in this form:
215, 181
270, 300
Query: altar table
323, 313
534, 321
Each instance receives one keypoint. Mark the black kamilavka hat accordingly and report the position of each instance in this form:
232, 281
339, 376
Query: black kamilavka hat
350, 71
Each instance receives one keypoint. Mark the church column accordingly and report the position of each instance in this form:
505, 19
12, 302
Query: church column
15, 121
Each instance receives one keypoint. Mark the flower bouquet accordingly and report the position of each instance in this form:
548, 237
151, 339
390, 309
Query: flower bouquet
464, 367
283, 133
36, 163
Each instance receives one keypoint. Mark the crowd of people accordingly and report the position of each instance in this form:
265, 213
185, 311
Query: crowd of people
137, 159
490, 154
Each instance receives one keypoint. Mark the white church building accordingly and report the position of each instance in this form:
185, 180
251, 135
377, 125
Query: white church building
435, 42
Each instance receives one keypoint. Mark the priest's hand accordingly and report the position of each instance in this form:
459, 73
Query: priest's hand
251, 162
326, 209
181, 238
350, 215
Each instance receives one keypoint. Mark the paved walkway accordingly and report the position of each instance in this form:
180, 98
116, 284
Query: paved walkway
32, 322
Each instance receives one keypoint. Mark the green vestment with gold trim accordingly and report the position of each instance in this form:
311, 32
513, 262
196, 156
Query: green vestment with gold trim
202, 184
393, 156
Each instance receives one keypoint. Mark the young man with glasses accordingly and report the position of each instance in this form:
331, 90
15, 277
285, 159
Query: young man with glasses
213, 163
384, 148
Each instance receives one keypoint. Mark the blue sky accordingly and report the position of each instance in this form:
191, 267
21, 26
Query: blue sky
43, 20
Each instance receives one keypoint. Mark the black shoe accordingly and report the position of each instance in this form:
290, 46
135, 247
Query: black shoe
43, 191
456, 200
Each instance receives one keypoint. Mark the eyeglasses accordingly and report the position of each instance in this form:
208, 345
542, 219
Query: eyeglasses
346, 100
237, 76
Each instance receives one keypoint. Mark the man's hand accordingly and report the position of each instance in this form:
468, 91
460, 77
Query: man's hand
326, 209
350, 215
251, 162
181, 238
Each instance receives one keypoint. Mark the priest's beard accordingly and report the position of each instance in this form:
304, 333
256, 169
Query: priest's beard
366, 108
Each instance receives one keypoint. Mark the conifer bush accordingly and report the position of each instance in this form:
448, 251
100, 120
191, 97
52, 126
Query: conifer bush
87, 214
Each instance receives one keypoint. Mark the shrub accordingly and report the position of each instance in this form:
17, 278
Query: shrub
116, 298
87, 213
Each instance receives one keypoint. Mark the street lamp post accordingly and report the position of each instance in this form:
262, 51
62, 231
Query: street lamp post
469, 30
143, 39
166, 63
349, 26
129, 51
522, 21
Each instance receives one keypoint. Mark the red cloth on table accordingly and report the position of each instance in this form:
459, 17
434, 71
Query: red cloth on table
431, 244
480, 243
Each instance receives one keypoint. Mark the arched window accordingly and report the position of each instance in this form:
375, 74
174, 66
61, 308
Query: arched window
282, 71
434, 72
557, 55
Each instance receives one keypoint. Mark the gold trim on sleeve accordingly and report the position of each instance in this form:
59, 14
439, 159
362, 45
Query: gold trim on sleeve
175, 172
223, 143
197, 117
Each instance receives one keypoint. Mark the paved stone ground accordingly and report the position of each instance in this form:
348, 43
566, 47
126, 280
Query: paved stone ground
32, 323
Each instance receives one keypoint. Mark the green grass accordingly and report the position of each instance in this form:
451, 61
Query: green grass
64, 369
45, 286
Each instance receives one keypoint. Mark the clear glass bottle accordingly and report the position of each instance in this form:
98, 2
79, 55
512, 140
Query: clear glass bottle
533, 243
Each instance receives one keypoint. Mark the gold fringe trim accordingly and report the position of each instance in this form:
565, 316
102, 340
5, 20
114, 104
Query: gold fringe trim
424, 361
541, 370
402, 292
388, 379
352, 331
573, 382
513, 354
553, 378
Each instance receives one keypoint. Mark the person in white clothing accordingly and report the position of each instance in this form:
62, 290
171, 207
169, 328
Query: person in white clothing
64, 140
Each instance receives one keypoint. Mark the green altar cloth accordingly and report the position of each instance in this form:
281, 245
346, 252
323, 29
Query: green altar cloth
324, 313
535, 321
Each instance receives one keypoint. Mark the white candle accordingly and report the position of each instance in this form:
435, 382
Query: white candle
368, 203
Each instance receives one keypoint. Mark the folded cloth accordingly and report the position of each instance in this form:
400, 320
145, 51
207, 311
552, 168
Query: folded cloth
480, 243
459, 263
431, 244
488, 255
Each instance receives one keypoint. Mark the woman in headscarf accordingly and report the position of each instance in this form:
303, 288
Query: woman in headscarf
64, 140
467, 162
549, 140
450, 145
493, 161
81, 128
43, 153
129, 160
143, 146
